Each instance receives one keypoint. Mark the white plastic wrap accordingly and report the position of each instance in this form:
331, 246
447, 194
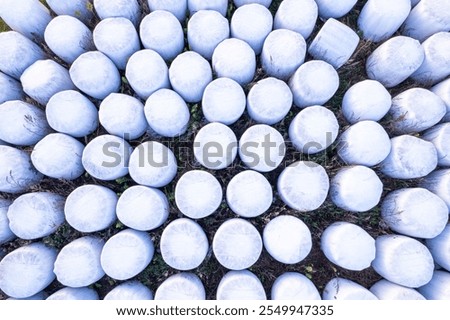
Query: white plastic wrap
10, 89
130, 290
294, 286
438, 182
344, 289
438, 287
297, 15
442, 89
240, 285
69, 293
5, 231
80, 9
334, 9
129, 9
177, 7
240, 3
440, 248
439, 135
386, 290
220, 6
181, 286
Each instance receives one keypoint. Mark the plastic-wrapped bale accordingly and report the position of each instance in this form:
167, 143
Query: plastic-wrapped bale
198, 194
130, 290
294, 286
287, 239
153, 164
205, 30
10, 89
162, 32
223, 101
72, 113
80, 9
249, 194
386, 290
91, 208
335, 43
221, 140
29, 17
27, 270
240, 285
366, 100
299, 16
118, 39
344, 289
106, 157
314, 83
303, 186
438, 288
269, 101
415, 212
262, 148
427, 18
68, 38
69, 293
17, 173
334, 9
237, 244
183, 244
126, 254
3, 143
181, 286
282, 53
240, 3
36, 215
189, 75
220, 6
395, 60
38, 296
176, 7
5, 231
442, 89
147, 72
313, 130
438, 182
410, 158
356, 189
78, 263
348, 246
440, 248
380, 19
364, 143
234, 59
123, 115
18, 53
129, 9
142, 208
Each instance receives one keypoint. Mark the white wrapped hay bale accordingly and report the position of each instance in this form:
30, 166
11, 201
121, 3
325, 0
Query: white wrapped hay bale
344, 289
215, 146
123, 115
303, 186
403, 260
314, 83
206, 29
269, 101
142, 208
249, 194
262, 148
348, 246
21, 123
106, 157
356, 189
69, 293
36, 215
313, 130
95, 74
223, 101
240, 3
78, 263
334, 9
386, 290
126, 254
10, 89
58, 156
395, 60
335, 43
177, 7
129, 9
294, 286
234, 59
282, 53
237, 244
27, 270
198, 194
240, 285
415, 212
220, 6
410, 158
438, 182
130, 290
153, 164
366, 100
299, 16
162, 32
438, 287
364, 143
91, 208
118, 39
38, 296
440, 248
5, 232
68, 38
442, 89
183, 244
80, 9
287, 239
181, 286
17, 173
72, 113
